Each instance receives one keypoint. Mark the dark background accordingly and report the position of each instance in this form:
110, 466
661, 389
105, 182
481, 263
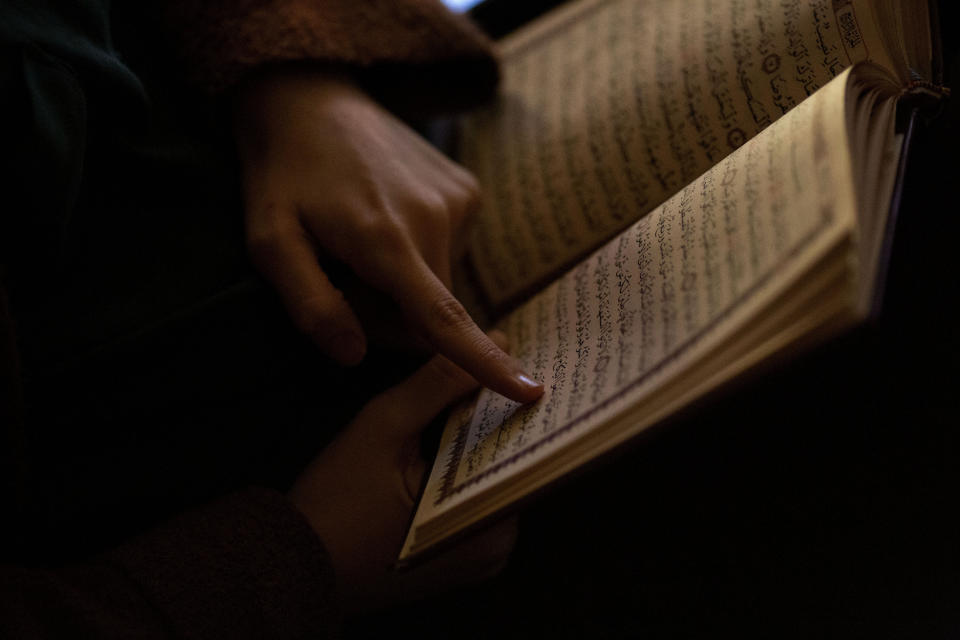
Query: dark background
814, 500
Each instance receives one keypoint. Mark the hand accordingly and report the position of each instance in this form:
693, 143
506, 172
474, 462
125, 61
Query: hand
359, 492
325, 168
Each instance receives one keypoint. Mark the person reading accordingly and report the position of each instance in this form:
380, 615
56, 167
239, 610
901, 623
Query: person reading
142, 369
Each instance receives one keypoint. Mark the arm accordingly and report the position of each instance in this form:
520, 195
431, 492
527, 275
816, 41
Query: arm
248, 566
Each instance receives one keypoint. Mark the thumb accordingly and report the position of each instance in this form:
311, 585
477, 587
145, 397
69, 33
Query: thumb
416, 401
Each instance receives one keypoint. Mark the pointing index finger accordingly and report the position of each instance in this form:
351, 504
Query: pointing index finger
453, 333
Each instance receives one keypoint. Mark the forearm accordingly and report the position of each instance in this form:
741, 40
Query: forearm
247, 566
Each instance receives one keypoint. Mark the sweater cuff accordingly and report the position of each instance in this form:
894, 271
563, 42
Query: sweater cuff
247, 566
418, 45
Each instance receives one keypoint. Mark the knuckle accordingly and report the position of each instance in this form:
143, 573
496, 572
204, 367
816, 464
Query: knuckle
469, 197
427, 209
471, 188
395, 254
388, 232
386, 243
490, 351
450, 314
435, 205
372, 212
369, 219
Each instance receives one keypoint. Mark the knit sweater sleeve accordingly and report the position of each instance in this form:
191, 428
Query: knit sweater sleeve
248, 566
415, 44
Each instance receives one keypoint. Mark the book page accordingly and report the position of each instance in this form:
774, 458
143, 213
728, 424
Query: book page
648, 305
610, 106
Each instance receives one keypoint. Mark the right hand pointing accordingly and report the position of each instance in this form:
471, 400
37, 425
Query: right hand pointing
325, 166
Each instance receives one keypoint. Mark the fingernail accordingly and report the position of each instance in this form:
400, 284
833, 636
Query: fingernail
528, 382
347, 348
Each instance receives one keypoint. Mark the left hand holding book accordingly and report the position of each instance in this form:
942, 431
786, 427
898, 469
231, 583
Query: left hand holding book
358, 495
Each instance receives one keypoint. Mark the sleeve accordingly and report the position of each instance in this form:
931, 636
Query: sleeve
396, 46
247, 567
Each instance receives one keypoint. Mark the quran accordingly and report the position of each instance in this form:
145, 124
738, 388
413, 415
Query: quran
675, 193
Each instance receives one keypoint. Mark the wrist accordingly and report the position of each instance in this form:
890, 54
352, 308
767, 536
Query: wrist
271, 99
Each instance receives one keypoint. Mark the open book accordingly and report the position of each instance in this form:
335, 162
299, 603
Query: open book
675, 192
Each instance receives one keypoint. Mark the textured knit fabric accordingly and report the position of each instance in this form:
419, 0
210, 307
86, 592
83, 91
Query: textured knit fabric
248, 566
233, 37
